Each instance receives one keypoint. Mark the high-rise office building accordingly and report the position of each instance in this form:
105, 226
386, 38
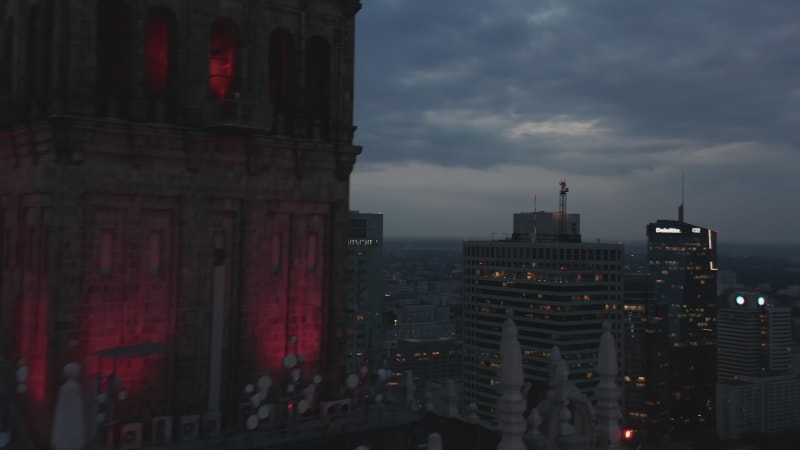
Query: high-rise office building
365, 292
754, 337
683, 260
560, 293
174, 181
644, 335
757, 390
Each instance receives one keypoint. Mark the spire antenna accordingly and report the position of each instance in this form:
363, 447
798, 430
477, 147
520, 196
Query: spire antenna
562, 220
535, 212
680, 208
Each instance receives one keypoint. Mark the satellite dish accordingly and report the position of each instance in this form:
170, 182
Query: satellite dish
255, 400
249, 389
21, 388
100, 417
5, 438
290, 388
295, 374
263, 412
364, 370
352, 380
317, 379
252, 422
302, 406
264, 382
122, 395
22, 374
378, 398
290, 361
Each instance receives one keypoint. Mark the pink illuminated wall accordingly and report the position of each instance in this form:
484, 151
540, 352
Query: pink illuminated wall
130, 294
288, 291
32, 308
266, 306
306, 314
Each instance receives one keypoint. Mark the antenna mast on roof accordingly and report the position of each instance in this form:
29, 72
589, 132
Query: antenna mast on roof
562, 209
535, 231
680, 208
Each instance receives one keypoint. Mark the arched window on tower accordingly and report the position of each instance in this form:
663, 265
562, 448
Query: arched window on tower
7, 68
281, 71
48, 22
159, 52
32, 54
222, 58
113, 49
318, 78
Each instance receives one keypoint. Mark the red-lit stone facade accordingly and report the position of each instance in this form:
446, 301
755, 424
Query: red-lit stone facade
125, 189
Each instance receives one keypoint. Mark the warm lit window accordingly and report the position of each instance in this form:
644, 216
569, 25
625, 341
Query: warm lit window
222, 58
281, 65
157, 49
318, 75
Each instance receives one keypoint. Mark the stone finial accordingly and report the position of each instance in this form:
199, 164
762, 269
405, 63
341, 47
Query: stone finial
511, 405
471, 413
72, 370
534, 422
607, 357
511, 352
68, 424
607, 392
434, 441
558, 393
429, 406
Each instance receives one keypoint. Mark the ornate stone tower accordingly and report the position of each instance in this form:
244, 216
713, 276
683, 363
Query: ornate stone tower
175, 173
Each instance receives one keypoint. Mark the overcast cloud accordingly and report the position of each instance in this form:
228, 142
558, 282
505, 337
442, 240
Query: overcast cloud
466, 108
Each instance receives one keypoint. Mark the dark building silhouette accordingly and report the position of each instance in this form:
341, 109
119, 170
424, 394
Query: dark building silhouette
683, 260
174, 182
644, 339
365, 292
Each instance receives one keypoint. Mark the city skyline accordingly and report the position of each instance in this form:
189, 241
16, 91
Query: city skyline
482, 105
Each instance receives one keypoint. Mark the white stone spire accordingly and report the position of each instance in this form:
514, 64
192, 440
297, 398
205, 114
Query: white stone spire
559, 385
511, 405
68, 424
607, 392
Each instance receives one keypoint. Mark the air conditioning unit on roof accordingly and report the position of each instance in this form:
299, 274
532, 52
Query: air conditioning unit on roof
162, 430
190, 427
130, 436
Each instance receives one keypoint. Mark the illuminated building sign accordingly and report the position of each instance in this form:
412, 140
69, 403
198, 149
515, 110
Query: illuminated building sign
696, 230
363, 242
670, 230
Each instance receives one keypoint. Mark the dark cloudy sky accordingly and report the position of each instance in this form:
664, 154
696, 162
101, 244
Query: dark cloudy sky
468, 108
